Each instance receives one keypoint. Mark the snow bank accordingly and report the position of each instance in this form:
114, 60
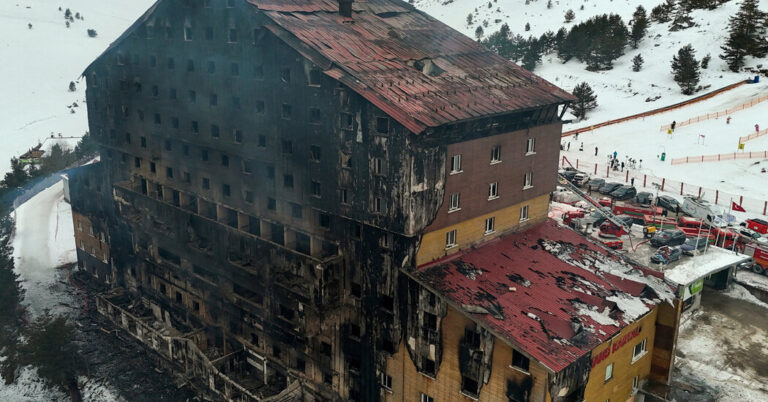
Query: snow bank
740, 292
714, 260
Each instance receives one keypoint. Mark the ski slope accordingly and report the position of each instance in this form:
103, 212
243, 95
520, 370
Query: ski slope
38, 64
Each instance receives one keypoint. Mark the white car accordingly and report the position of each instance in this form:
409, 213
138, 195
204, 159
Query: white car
751, 234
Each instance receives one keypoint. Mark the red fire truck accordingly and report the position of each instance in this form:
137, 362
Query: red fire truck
759, 254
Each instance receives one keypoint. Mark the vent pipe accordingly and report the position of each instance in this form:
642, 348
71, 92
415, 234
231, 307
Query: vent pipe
345, 8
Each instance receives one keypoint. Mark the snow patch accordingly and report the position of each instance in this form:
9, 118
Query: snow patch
740, 292
633, 307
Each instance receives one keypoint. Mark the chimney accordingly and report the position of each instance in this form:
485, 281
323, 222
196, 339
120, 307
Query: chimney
345, 8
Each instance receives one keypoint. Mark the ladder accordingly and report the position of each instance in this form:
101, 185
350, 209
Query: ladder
609, 215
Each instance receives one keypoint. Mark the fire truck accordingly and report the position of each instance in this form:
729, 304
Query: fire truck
759, 254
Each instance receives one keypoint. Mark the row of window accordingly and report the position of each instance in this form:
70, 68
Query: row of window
493, 192
530, 148
490, 227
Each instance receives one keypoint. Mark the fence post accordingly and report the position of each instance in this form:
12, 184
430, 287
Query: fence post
765, 206
662, 183
699, 192
681, 188
595, 169
577, 163
627, 178
717, 195
741, 199
607, 171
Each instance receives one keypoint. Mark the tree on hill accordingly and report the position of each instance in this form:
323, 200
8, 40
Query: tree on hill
569, 15
663, 12
11, 293
51, 349
586, 100
637, 63
639, 26
685, 69
597, 42
746, 35
479, 32
531, 54
17, 176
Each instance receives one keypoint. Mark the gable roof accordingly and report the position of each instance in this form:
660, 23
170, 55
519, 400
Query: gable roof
548, 291
413, 67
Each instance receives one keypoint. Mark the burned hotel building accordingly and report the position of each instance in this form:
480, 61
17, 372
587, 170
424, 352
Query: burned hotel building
326, 200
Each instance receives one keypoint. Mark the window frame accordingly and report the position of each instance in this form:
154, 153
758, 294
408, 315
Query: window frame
528, 180
455, 203
456, 164
450, 239
637, 356
496, 155
492, 229
530, 146
609, 372
493, 191
524, 213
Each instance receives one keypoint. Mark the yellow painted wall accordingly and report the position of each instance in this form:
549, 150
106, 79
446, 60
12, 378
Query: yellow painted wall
472, 231
408, 383
619, 387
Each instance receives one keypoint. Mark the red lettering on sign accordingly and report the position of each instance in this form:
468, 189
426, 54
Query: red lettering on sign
616, 346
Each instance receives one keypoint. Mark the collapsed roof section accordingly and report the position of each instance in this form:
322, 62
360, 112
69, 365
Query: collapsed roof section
548, 291
413, 67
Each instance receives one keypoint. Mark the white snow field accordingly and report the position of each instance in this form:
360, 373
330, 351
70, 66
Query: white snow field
44, 240
37, 65
620, 91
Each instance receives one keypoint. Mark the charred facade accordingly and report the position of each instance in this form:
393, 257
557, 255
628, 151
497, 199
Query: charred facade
271, 172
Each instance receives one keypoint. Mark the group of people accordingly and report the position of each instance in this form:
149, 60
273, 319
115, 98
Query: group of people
617, 165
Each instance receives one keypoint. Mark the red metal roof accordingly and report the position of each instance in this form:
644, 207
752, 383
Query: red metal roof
538, 287
379, 51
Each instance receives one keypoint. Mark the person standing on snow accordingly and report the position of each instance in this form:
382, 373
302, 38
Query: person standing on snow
595, 151
728, 120
568, 148
757, 128
622, 166
615, 154
581, 147
674, 123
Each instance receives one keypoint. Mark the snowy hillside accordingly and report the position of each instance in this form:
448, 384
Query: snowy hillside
620, 91
38, 64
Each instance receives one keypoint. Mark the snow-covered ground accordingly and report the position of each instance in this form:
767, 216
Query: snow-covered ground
44, 240
620, 91
38, 64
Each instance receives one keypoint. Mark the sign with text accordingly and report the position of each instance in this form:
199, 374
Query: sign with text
617, 344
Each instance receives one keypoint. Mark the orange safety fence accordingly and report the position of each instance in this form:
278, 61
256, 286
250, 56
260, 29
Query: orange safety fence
716, 115
645, 182
654, 111
719, 157
753, 136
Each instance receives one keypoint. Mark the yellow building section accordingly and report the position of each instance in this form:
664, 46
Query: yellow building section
408, 383
435, 245
623, 361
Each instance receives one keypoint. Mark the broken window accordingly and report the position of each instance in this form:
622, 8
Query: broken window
248, 166
287, 147
354, 330
288, 180
314, 77
382, 125
296, 211
328, 378
325, 220
155, 91
430, 369
262, 141
378, 166
276, 351
254, 339
214, 100
206, 183
178, 296
345, 196
469, 386
347, 121
316, 189
248, 197
285, 75
314, 115
152, 167
224, 160
167, 145
169, 173
300, 364
355, 289
232, 35
520, 361
271, 203
639, 350
137, 162
430, 321
314, 151
238, 136
379, 205
214, 131
225, 189
204, 155
187, 33
259, 107
195, 127
346, 161
285, 111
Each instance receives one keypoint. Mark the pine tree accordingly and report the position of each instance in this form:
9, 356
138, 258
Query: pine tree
685, 69
17, 176
532, 54
527, 26
569, 15
51, 349
11, 294
746, 36
586, 100
662, 12
479, 32
705, 62
639, 26
637, 63
469, 19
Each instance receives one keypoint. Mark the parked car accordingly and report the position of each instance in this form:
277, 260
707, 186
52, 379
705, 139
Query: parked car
694, 244
751, 235
758, 225
580, 179
644, 198
624, 193
593, 220
665, 255
668, 203
569, 172
668, 238
595, 183
610, 229
608, 187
